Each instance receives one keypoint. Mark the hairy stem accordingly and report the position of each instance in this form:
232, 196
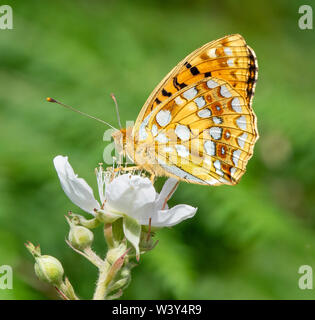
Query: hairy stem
107, 275
94, 258
88, 254
101, 286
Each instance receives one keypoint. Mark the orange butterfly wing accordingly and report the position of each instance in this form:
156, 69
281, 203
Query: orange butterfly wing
217, 120
204, 134
228, 58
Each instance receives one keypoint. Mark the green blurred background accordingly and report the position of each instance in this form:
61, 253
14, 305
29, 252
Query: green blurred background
247, 241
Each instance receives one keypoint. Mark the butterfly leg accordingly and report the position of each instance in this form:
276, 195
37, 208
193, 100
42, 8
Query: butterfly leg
127, 168
133, 168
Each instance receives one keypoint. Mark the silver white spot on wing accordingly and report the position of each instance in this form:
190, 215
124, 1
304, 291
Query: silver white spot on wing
236, 156
154, 130
182, 150
182, 132
212, 181
209, 147
163, 117
179, 101
207, 161
224, 91
233, 170
215, 133
236, 105
211, 53
228, 51
241, 122
200, 101
204, 113
230, 62
212, 84
242, 139
217, 120
217, 165
179, 172
161, 138
190, 93
142, 131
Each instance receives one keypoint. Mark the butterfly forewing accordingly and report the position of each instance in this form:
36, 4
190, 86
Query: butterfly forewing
228, 58
198, 123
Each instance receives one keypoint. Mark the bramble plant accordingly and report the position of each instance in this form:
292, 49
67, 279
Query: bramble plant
129, 211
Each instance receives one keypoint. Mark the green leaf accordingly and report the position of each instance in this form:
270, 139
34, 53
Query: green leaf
132, 231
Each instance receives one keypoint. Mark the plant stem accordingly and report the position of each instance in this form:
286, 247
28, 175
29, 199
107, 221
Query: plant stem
66, 290
94, 258
108, 233
88, 254
101, 286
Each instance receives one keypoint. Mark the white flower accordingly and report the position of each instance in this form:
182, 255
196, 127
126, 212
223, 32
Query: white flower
77, 190
129, 196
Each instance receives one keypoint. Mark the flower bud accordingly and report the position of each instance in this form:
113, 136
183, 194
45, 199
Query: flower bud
49, 269
115, 253
124, 278
119, 284
34, 250
80, 237
125, 272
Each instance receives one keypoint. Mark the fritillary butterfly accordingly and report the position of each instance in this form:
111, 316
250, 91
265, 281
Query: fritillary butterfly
198, 124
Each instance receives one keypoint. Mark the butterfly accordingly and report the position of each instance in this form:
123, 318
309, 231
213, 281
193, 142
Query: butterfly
198, 124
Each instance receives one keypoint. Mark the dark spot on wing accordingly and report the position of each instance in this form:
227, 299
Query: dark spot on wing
166, 93
194, 71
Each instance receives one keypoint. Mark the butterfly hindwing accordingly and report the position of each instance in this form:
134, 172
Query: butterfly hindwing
205, 133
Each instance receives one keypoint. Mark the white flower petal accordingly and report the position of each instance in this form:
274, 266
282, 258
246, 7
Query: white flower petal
175, 215
77, 190
130, 194
168, 190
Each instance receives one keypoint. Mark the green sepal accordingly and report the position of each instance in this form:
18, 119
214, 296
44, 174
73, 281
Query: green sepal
132, 231
118, 231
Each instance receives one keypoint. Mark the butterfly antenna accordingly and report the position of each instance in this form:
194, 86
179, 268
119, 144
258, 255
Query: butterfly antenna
80, 112
117, 110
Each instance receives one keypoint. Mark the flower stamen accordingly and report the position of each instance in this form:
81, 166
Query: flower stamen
169, 195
